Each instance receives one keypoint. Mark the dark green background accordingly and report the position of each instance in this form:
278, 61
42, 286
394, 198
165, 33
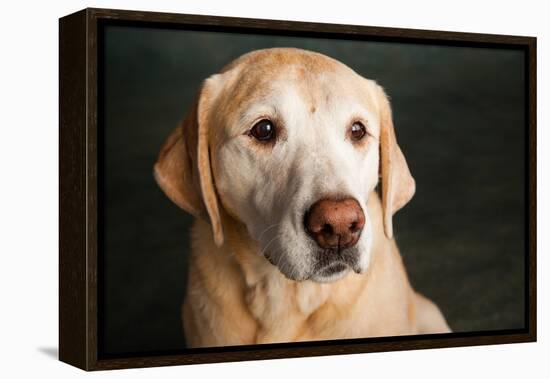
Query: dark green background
459, 117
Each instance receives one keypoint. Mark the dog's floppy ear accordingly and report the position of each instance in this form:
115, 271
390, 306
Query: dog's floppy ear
398, 185
183, 169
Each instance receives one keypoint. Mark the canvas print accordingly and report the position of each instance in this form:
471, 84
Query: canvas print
262, 189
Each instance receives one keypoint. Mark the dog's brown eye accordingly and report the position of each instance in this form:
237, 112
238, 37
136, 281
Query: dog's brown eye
358, 131
264, 130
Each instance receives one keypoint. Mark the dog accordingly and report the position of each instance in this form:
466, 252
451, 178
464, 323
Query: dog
289, 163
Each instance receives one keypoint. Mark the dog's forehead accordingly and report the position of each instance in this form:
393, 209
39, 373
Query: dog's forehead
281, 74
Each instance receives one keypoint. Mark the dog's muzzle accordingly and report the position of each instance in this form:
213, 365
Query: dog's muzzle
335, 225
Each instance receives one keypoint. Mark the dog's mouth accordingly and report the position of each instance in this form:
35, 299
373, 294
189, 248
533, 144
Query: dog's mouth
332, 269
329, 265
333, 264
336, 257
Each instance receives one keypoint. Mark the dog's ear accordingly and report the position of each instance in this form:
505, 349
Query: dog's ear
183, 169
398, 185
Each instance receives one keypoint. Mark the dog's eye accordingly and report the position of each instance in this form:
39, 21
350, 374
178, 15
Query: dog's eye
357, 131
264, 130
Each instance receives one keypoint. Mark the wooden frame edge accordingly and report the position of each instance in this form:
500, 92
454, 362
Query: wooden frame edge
531, 115
72, 190
303, 26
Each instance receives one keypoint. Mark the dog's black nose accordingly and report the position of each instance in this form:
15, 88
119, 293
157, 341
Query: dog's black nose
335, 223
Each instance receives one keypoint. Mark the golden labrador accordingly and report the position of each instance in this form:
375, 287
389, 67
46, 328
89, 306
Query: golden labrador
281, 161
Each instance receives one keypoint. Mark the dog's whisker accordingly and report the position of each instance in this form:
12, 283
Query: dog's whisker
267, 246
280, 254
266, 229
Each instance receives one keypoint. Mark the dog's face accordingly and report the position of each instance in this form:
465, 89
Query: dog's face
290, 143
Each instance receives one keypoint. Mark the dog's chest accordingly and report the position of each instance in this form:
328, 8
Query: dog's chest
282, 307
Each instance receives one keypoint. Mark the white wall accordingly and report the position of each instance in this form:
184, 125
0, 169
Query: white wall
28, 190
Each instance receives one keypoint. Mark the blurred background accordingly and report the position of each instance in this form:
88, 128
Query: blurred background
459, 116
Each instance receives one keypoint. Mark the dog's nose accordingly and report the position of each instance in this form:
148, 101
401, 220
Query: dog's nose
335, 223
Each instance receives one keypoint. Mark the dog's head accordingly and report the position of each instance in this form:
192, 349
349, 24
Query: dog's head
291, 143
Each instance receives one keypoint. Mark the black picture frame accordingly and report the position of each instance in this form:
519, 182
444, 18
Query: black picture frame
80, 35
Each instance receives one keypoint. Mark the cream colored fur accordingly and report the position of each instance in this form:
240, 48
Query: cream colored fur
249, 200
